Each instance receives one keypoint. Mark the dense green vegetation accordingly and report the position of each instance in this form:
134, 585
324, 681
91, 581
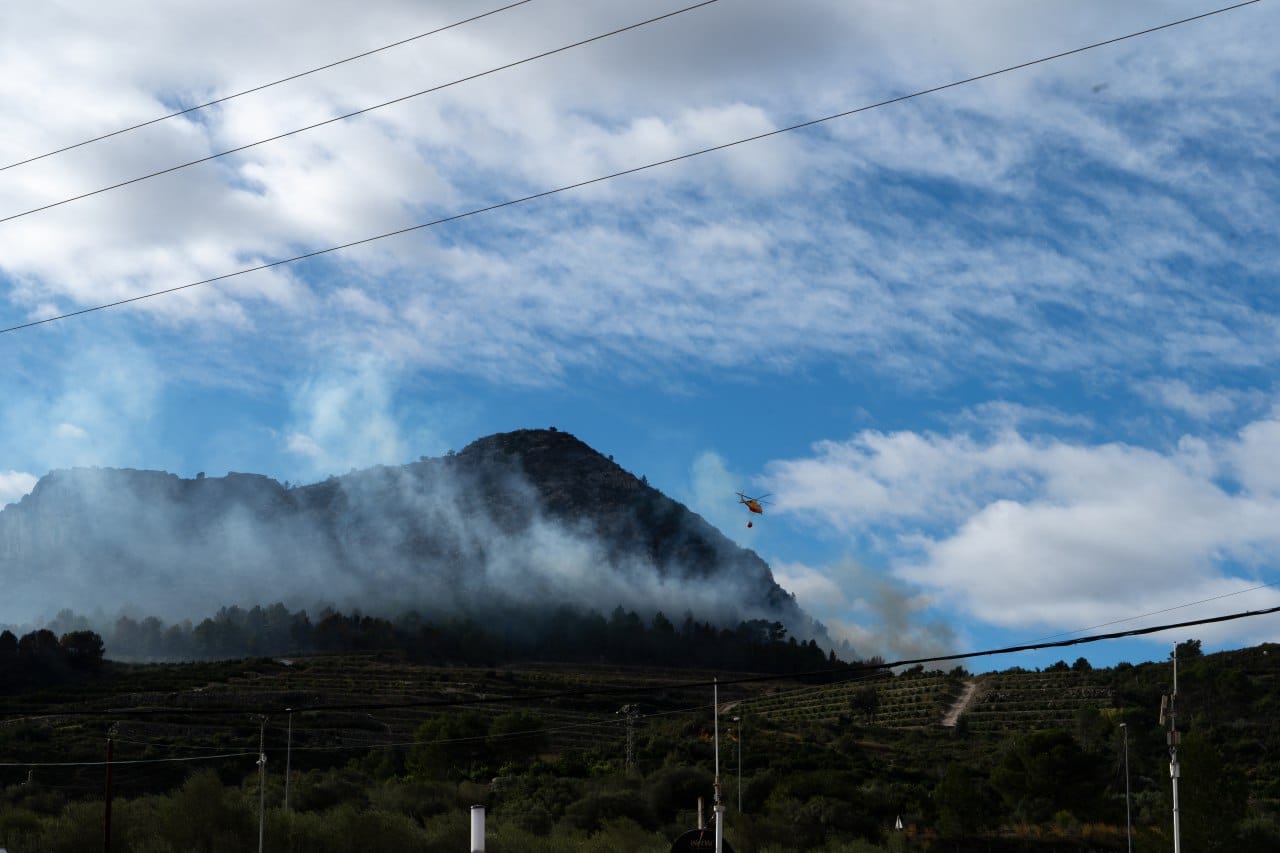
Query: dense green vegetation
41, 658
545, 749
508, 634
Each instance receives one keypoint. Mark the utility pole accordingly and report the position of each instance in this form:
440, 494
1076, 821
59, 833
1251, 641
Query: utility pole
262, 780
719, 807
106, 823
630, 713
738, 720
288, 759
1128, 821
1167, 703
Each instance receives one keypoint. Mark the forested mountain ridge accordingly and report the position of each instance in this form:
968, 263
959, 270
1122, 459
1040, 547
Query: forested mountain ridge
531, 515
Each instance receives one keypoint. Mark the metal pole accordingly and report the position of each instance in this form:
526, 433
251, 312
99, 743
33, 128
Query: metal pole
106, 824
288, 760
738, 720
1174, 771
1128, 821
719, 809
715, 716
262, 781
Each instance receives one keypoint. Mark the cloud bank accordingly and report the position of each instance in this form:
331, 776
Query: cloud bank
1040, 532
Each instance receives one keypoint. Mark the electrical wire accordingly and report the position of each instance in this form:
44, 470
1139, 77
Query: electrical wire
1158, 612
602, 178
259, 88
346, 116
834, 676
608, 723
114, 762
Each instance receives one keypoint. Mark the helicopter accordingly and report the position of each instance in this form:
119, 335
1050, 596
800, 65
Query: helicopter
755, 505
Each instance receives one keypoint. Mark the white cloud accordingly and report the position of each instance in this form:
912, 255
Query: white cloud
1020, 533
816, 246
1179, 396
65, 430
15, 484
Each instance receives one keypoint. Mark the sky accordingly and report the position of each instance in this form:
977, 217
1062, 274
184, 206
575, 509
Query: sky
1004, 356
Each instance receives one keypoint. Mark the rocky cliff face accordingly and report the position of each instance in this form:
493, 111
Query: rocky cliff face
528, 517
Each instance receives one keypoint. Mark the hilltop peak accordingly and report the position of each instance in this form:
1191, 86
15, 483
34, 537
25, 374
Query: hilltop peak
535, 514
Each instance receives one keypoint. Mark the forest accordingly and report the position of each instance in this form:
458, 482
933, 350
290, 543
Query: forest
488, 637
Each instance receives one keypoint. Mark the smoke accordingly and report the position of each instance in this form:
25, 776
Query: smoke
435, 536
892, 619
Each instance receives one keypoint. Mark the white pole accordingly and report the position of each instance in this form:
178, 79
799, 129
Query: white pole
477, 829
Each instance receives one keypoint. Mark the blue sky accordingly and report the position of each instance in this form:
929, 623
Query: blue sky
1005, 355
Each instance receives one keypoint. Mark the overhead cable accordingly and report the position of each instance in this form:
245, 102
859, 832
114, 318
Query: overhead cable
355, 113
545, 193
259, 88
1164, 610
127, 761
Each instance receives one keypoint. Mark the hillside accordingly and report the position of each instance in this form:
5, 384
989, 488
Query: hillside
380, 742
529, 516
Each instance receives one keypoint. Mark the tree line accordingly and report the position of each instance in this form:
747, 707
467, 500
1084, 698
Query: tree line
43, 659
564, 634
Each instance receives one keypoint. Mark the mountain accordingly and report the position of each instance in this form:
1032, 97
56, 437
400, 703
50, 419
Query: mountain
527, 517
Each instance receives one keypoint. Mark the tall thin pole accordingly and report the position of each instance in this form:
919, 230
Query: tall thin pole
719, 807
715, 715
1174, 771
106, 823
262, 780
288, 760
738, 720
1128, 821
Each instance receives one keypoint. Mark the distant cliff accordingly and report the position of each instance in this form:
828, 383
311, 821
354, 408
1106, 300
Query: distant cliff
529, 516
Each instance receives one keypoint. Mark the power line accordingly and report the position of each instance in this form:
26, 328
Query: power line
580, 184
837, 675
596, 724
345, 116
259, 88
1165, 610
133, 761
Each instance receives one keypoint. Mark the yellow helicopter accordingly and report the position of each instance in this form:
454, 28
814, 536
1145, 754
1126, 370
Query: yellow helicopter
753, 505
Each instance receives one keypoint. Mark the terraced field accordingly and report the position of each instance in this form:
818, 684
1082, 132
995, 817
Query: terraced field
360, 703
1039, 700
910, 700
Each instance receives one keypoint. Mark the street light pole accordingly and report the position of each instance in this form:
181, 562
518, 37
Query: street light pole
1128, 822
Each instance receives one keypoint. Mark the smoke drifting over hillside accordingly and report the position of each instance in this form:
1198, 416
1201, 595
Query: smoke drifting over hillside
527, 518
